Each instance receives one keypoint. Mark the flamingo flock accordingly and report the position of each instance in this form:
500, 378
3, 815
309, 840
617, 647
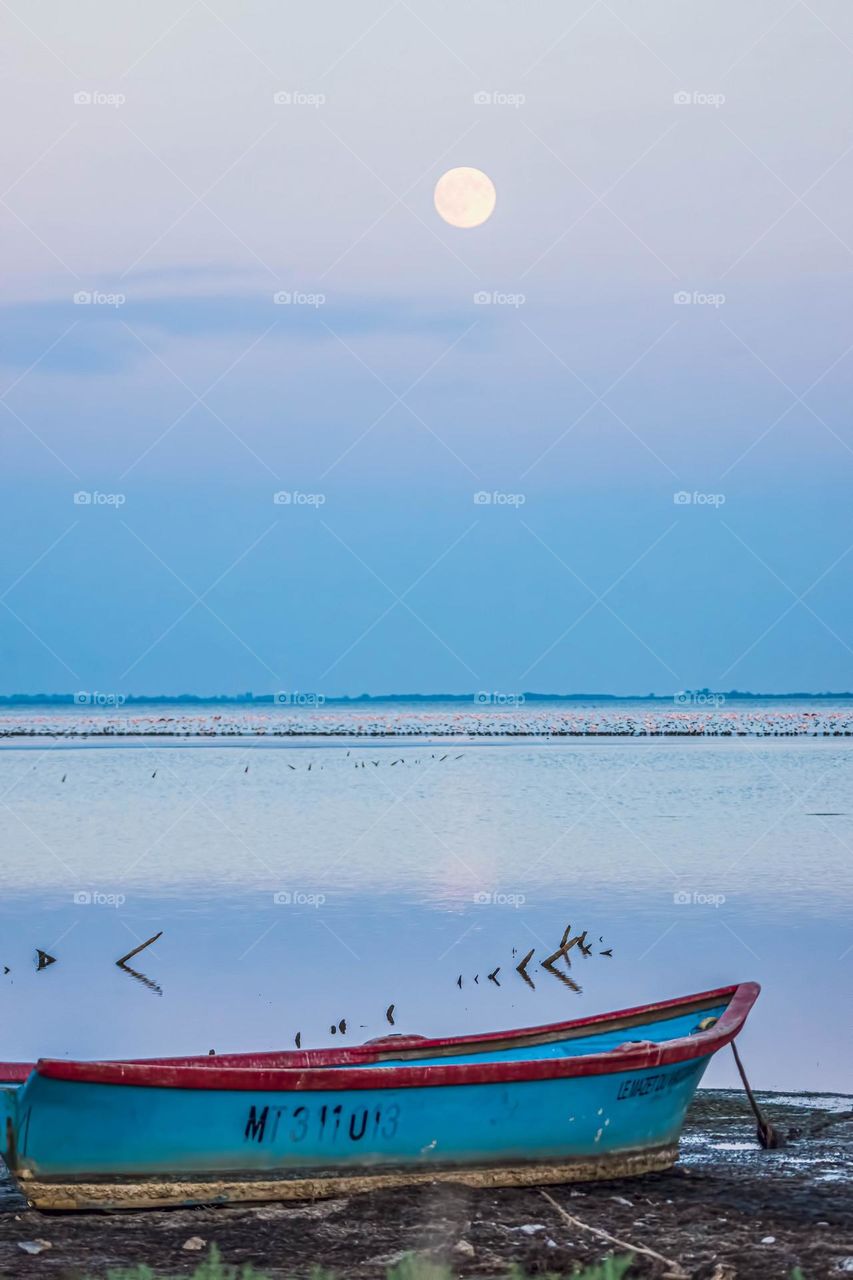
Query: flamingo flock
519, 721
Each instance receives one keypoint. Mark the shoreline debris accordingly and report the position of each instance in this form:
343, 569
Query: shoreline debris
674, 1269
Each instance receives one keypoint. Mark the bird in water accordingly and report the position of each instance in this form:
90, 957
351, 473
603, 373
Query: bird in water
246, 770
64, 776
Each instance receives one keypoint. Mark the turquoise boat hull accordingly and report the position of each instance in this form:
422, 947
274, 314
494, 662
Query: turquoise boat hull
577, 1100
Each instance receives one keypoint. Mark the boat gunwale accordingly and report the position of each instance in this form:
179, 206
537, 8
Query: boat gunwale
14, 1072
328, 1070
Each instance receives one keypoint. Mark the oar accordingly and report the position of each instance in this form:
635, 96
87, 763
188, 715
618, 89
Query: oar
769, 1137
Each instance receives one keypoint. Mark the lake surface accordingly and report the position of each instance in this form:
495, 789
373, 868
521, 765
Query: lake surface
331, 881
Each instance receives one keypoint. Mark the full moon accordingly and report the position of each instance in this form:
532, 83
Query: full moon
465, 197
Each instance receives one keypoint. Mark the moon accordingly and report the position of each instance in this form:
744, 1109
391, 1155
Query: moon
465, 197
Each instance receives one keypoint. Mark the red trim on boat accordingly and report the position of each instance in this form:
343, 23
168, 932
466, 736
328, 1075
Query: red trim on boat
14, 1072
374, 1051
299, 1075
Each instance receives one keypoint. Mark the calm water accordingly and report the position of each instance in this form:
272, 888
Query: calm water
292, 896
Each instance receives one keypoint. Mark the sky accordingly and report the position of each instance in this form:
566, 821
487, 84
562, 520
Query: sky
600, 443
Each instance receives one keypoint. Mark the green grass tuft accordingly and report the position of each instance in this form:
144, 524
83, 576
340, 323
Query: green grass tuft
412, 1267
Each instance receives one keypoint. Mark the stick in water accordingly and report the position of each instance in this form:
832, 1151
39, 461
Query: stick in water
141, 947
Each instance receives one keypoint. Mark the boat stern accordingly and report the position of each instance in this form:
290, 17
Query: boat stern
9, 1123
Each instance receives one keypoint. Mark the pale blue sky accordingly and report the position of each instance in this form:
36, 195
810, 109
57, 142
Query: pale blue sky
637, 155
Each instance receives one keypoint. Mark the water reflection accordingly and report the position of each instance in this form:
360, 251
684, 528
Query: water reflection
288, 899
140, 977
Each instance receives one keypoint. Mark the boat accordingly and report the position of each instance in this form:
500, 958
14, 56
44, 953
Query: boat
596, 1097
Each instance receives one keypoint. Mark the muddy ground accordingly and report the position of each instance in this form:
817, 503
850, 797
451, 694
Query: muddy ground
728, 1211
